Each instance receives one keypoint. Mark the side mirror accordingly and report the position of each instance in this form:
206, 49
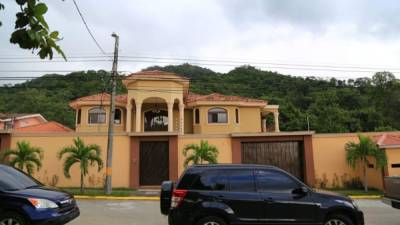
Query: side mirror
301, 191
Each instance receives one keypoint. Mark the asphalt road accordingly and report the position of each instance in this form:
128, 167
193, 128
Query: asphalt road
148, 213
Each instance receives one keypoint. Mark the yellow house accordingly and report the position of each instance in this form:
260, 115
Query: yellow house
159, 116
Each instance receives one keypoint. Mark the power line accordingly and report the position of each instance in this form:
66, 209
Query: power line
88, 29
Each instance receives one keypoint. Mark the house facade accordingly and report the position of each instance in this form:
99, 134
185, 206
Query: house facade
159, 116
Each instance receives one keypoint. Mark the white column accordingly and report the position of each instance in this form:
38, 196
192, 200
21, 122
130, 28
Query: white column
138, 124
264, 125
170, 117
181, 118
276, 120
128, 117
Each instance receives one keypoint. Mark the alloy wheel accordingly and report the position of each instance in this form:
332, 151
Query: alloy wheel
207, 223
9, 221
335, 222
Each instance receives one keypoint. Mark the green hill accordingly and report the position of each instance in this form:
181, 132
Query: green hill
331, 105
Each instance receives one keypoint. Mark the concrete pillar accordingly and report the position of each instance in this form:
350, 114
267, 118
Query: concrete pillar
264, 125
181, 118
170, 117
128, 118
138, 116
276, 120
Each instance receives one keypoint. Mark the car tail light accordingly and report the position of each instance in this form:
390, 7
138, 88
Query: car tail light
177, 198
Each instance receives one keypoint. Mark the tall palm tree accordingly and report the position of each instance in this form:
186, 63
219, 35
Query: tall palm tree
25, 157
198, 154
358, 153
83, 154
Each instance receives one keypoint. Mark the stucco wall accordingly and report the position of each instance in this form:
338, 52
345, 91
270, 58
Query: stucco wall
84, 126
330, 161
222, 142
393, 155
52, 167
249, 121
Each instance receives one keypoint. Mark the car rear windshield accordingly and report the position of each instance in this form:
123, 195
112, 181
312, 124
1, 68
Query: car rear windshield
12, 179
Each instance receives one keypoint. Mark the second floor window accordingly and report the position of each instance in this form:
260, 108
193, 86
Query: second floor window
78, 117
117, 116
97, 115
196, 116
217, 115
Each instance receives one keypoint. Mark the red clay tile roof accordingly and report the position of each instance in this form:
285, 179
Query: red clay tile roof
51, 126
103, 97
156, 74
192, 97
387, 139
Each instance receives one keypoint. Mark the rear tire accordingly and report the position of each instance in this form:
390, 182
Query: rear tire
211, 220
338, 219
167, 187
12, 218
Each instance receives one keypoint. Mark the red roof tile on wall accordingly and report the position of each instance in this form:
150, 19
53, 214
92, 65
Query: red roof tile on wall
103, 97
192, 97
387, 139
51, 126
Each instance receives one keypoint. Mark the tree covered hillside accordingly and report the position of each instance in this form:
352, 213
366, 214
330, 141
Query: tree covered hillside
331, 105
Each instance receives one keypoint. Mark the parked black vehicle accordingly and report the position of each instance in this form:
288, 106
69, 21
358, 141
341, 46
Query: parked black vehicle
251, 194
25, 201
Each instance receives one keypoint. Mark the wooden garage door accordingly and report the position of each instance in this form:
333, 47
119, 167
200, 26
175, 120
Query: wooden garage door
285, 155
154, 162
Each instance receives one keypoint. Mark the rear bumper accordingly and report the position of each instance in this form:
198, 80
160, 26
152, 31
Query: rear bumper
60, 219
392, 202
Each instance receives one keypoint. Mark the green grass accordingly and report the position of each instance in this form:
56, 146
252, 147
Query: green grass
357, 192
118, 192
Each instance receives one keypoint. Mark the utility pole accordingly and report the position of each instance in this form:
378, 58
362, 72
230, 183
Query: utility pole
108, 186
308, 123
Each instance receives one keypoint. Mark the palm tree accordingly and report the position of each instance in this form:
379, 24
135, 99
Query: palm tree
25, 157
357, 153
82, 154
198, 154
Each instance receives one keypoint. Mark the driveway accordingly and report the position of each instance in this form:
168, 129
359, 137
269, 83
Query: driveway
148, 213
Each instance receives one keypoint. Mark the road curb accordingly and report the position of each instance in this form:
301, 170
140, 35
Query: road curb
131, 198
360, 197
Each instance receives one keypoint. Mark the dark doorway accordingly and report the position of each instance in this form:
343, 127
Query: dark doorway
154, 162
156, 120
285, 155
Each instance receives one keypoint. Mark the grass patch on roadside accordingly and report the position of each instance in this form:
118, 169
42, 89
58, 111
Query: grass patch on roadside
117, 192
358, 192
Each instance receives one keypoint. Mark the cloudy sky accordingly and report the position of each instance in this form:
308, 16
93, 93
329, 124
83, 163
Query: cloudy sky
339, 38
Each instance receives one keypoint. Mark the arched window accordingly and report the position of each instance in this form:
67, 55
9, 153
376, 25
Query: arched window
217, 115
156, 120
196, 116
79, 116
117, 116
97, 115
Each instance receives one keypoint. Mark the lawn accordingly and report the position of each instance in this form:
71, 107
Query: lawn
120, 192
357, 192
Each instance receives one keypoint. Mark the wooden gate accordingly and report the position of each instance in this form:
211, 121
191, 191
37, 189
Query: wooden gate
285, 155
154, 162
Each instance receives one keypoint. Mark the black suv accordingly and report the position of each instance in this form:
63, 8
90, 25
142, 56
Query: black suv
251, 194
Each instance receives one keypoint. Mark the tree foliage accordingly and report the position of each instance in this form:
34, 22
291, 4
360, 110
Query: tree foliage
82, 154
25, 157
358, 154
198, 154
32, 31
